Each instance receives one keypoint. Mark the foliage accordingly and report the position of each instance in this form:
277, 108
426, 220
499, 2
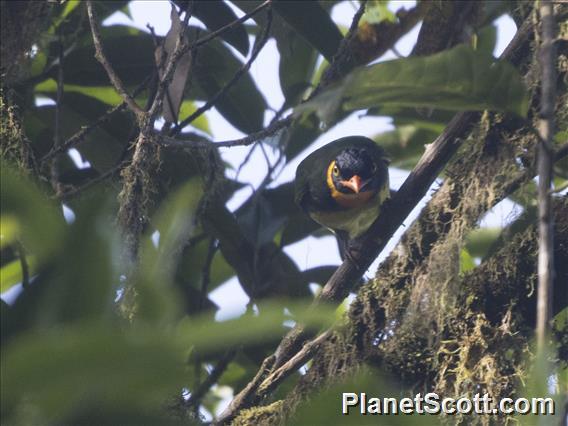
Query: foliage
98, 334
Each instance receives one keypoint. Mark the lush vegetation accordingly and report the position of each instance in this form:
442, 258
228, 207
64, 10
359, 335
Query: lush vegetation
113, 323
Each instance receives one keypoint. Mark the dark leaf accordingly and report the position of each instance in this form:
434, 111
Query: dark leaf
216, 14
313, 23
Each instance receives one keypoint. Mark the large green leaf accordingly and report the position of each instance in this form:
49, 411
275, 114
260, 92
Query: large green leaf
130, 52
297, 61
313, 22
103, 147
459, 79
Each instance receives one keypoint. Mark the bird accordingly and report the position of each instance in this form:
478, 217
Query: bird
342, 185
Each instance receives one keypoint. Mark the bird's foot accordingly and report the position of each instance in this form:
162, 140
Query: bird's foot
354, 251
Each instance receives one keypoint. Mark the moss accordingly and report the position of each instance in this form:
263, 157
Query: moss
14, 146
262, 416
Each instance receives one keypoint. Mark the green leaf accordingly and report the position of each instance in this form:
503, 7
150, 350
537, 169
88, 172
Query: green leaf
72, 370
39, 224
214, 337
313, 22
175, 221
191, 264
104, 146
486, 39
9, 230
325, 406
480, 240
459, 79
131, 53
11, 274
297, 62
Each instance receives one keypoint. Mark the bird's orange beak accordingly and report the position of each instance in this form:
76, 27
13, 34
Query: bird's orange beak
354, 184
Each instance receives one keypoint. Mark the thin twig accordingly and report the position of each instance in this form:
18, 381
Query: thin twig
236, 77
73, 192
211, 379
547, 59
54, 175
227, 27
80, 136
206, 271
293, 364
101, 57
247, 140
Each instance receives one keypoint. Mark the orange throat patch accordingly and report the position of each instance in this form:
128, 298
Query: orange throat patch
348, 201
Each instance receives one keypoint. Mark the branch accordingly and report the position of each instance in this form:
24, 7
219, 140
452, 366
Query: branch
284, 371
54, 169
227, 27
236, 77
211, 379
247, 140
101, 57
547, 59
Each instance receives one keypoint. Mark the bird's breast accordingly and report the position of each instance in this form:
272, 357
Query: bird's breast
354, 221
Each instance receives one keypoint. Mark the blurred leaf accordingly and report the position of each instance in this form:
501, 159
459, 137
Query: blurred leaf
486, 39
9, 230
39, 221
66, 371
313, 23
175, 222
11, 274
479, 240
215, 337
457, 79
325, 407
216, 14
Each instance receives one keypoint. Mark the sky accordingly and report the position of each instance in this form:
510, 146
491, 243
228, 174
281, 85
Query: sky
312, 251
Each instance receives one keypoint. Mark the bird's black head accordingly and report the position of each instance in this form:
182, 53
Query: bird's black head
354, 171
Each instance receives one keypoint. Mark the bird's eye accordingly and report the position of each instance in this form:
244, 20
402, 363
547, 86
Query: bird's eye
374, 169
335, 171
